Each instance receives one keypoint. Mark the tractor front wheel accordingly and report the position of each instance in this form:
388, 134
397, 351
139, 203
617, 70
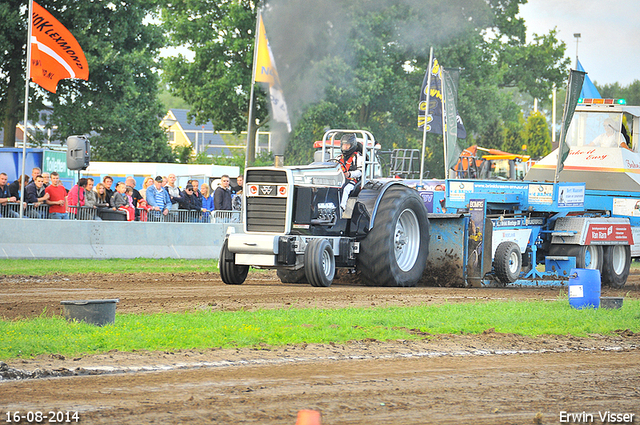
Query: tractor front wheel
230, 273
319, 263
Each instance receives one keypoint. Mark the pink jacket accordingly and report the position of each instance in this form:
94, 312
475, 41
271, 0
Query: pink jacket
73, 197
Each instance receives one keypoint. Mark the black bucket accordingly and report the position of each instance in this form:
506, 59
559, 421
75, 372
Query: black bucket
611, 302
94, 312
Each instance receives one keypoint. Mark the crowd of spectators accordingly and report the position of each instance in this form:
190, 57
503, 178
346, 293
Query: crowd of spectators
160, 198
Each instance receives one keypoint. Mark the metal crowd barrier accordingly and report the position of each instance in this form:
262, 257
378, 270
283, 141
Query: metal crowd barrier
82, 213
11, 210
227, 216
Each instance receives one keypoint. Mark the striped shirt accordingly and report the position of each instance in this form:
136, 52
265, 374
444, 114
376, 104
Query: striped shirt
160, 199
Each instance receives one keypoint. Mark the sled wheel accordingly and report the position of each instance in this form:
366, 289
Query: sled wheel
319, 263
395, 251
507, 262
291, 276
587, 256
229, 272
615, 267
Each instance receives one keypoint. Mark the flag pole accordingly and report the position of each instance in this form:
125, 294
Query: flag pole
426, 115
26, 102
444, 128
253, 79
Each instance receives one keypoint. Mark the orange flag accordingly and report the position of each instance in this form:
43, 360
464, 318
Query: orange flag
55, 53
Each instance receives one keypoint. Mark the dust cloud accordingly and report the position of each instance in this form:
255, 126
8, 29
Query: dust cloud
310, 40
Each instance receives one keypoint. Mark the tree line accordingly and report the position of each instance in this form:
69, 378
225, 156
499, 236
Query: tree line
342, 63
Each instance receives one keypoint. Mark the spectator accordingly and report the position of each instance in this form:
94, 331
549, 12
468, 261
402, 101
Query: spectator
190, 202
6, 197
207, 202
196, 184
147, 182
14, 188
222, 195
90, 195
101, 195
135, 195
237, 188
131, 182
207, 198
158, 199
119, 199
35, 173
35, 195
236, 197
57, 194
173, 191
108, 181
76, 198
93, 200
123, 200
47, 179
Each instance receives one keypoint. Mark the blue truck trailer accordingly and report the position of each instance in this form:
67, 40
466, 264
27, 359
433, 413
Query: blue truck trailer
537, 230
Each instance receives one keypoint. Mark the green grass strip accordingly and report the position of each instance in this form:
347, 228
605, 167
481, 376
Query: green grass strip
201, 330
113, 265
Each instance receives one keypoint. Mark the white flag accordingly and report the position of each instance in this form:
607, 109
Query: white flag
278, 106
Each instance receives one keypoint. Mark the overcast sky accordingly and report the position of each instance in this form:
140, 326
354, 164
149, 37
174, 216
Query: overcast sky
609, 46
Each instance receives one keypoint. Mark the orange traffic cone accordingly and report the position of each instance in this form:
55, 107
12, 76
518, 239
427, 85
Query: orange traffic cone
308, 417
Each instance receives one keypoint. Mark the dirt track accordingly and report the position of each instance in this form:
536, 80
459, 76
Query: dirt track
485, 379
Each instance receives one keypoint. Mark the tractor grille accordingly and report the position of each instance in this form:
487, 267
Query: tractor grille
266, 176
266, 214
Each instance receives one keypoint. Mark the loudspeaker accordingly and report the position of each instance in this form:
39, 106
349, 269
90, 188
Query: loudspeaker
78, 152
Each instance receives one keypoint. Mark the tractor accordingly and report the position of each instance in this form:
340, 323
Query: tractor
293, 223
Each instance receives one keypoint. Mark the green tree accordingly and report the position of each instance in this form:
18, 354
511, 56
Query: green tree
536, 136
13, 37
513, 141
118, 107
217, 82
362, 62
493, 137
630, 93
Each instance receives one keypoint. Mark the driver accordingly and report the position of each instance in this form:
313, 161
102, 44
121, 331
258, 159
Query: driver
611, 138
351, 164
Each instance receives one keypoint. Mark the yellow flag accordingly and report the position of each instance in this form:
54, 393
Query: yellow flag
265, 72
265, 65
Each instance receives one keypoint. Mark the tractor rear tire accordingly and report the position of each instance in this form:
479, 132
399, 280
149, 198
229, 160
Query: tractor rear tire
615, 268
292, 276
507, 262
319, 263
229, 272
395, 251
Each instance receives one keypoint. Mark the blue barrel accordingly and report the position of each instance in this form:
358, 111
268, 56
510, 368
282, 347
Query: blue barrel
584, 288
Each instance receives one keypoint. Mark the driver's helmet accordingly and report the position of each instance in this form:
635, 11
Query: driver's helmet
348, 144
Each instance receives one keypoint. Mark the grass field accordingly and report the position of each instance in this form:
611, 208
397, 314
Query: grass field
136, 265
198, 330
114, 265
